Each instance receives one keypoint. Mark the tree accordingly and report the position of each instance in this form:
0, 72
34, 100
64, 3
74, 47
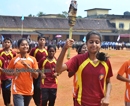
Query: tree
61, 15
30, 15
127, 13
65, 14
40, 14
79, 16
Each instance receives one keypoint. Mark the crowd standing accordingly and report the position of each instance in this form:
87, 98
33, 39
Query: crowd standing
33, 71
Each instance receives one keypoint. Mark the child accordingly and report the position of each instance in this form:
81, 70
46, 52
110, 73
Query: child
93, 70
80, 50
48, 78
7, 54
125, 69
2, 66
38, 52
22, 86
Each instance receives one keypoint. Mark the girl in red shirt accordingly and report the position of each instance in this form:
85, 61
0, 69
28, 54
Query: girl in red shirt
93, 70
80, 50
48, 77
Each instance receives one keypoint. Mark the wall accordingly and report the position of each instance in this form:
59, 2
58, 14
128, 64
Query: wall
102, 12
16, 37
96, 12
33, 37
125, 21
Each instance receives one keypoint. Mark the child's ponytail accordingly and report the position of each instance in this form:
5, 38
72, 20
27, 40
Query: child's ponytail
102, 56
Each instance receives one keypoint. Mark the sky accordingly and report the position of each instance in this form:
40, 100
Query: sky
26, 7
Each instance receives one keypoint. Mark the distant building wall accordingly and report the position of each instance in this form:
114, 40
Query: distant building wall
118, 22
102, 12
96, 12
91, 12
16, 37
76, 37
33, 37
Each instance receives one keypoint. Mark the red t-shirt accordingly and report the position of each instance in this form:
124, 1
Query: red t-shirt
49, 69
38, 53
2, 64
91, 79
7, 57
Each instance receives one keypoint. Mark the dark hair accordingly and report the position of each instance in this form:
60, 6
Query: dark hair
93, 33
40, 36
100, 55
8, 39
51, 46
79, 48
20, 41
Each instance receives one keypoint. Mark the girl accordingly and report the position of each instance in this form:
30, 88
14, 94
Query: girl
48, 77
80, 50
125, 69
93, 70
22, 86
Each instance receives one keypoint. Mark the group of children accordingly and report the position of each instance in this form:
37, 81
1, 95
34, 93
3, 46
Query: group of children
90, 67
42, 85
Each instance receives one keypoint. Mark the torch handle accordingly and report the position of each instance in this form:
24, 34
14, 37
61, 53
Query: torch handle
70, 37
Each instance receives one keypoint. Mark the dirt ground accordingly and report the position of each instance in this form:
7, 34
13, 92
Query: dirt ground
64, 94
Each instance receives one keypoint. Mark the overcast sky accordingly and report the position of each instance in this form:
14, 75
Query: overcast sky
26, 7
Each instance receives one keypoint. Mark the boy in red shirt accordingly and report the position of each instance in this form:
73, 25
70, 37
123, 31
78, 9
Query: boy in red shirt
38, 52
7, 54
2, 66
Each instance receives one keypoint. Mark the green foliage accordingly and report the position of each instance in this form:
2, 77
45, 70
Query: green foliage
40, 14
79, 16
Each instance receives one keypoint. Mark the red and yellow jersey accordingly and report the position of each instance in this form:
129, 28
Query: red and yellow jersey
91, 79
7, 57
23, 83
2, 62
48, 68
38, 53
75, 85
1, 66
125, 68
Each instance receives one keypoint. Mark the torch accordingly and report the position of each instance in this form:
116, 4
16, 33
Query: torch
71, 20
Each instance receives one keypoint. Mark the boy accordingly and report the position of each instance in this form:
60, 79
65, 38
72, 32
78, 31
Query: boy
2, 66
7, 54
38, 52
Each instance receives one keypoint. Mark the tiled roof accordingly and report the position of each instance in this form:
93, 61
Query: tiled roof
54, 23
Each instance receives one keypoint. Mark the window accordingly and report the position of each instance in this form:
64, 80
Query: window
121, 25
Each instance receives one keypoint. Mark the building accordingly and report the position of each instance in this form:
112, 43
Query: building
120, 22
15, 28
97, 12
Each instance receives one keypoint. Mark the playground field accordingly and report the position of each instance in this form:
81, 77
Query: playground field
64, 94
